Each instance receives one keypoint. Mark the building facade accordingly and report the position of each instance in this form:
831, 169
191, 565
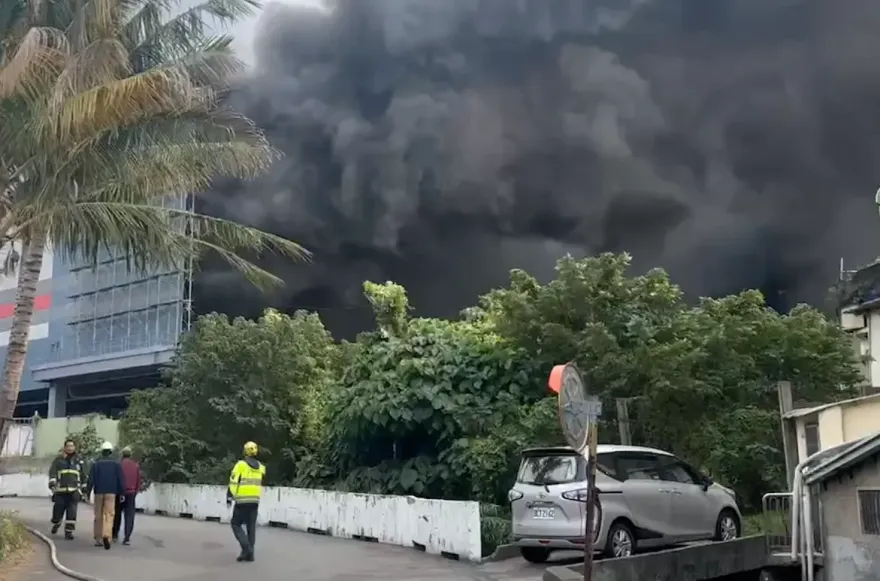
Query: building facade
826, 426
859, 311
847, 485
104, 329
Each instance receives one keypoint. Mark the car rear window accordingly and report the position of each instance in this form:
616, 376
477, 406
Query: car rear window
550, 469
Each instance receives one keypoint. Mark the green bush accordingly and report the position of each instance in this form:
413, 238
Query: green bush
88, 444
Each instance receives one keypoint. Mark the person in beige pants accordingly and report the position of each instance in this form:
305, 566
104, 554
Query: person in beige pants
106, 482
105, 512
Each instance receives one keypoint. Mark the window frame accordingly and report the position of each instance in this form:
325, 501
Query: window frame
695, 475
809, 427
625, 477
580, 467
862, 529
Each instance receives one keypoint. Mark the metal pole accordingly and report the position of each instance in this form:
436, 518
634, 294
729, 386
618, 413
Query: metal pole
589, 533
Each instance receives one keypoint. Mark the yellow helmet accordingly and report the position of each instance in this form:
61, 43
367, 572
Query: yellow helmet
250, 449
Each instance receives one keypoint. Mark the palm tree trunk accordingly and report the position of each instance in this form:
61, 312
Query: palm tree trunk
16, 350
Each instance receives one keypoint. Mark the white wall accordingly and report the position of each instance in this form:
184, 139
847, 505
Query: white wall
435, 526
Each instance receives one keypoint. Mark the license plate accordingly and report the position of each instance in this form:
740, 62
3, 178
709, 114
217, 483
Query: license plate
544, 513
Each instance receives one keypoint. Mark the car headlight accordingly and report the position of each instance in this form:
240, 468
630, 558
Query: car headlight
514, 495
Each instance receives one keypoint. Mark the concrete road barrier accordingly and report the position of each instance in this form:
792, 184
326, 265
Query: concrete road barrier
442, 527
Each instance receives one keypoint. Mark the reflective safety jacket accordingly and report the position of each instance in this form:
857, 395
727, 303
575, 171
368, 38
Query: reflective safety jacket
246, 481
66, 474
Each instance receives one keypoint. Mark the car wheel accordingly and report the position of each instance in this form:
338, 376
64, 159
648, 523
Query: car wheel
727, 527
621, 541
535, 554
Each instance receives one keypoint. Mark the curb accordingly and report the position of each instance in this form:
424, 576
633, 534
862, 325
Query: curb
502, 553
53, 555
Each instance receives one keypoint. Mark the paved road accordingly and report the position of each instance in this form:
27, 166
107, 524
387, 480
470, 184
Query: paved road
173, 549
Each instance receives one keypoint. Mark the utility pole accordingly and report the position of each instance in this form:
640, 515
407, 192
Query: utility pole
623, 422
789, 441
592, 500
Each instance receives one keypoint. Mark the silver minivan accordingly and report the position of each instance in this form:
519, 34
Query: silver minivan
647, 499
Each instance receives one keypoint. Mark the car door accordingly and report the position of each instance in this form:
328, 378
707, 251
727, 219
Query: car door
643, 490
692, 506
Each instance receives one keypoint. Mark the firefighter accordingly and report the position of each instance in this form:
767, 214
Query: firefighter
245, 487
66, 481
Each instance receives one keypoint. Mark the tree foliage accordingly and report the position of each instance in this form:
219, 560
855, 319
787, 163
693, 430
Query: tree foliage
442, 408
234, 381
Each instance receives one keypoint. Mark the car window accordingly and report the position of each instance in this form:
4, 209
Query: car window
638, 466
607, 465
674, 470
550, 469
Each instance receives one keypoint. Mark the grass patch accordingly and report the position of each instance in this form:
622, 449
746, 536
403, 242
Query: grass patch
15, 547
769, 523
13, 536
495, 527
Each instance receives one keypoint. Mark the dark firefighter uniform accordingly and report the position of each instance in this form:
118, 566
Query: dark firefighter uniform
66, 481
245, 487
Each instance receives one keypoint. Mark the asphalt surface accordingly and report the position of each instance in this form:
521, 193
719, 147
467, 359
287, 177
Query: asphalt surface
174, 549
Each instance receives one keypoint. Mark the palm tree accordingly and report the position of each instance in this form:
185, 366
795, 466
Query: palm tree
107, 108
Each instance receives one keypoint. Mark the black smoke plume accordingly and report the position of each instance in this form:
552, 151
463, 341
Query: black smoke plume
441, 143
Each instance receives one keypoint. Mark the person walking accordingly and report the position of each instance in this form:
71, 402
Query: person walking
245, 488
125, 503
106, 482
66, 481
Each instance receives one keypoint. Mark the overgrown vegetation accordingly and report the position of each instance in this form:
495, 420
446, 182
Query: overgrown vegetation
442, 408
13, 536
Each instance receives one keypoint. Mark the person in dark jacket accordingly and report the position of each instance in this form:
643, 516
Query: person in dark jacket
106, 482
131, 477
67, 482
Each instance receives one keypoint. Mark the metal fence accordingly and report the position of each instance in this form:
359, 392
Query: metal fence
20, 439
776, 522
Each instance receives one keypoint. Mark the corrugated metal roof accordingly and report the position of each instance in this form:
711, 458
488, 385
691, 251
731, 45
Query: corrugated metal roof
799, 413
831, 462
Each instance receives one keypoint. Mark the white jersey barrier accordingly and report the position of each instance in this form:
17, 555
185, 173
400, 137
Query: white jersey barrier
443, 527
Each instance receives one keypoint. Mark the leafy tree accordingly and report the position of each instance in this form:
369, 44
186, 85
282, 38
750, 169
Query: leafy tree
233, 382
106, 110
713, 365
408, 401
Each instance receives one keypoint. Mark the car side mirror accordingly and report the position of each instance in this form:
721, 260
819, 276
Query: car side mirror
707, 482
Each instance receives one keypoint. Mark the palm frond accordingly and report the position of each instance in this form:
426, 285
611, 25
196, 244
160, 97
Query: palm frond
100, 61
153, 39
101, 144
121, 103
95, 20
37, 59
211, 64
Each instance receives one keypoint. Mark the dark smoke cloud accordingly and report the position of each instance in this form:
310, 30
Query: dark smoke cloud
734, 142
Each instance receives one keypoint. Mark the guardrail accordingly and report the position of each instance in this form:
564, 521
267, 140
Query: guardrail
777, 522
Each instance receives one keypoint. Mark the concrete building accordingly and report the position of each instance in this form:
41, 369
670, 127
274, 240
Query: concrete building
847, 484
102, 331
859, 311
826, 426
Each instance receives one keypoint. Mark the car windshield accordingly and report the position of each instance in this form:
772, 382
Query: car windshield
551, 469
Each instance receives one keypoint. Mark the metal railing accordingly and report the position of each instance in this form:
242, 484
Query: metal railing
777, 526
20, 437
776, 521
